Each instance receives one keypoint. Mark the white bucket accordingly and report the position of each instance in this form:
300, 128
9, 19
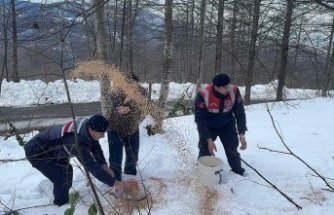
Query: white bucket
209, 170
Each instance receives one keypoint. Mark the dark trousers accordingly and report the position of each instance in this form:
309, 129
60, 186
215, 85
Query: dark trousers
60, 175
131, 144
229, 138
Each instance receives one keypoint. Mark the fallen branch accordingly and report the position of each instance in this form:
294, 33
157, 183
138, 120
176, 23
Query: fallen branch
11, 160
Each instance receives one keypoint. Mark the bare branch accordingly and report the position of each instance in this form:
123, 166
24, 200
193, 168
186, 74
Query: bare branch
272, 150
11, 160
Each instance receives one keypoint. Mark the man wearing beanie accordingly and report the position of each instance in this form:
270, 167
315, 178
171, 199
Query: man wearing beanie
50, 151
218, 111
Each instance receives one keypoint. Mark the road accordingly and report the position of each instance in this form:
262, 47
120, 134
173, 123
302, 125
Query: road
26, 119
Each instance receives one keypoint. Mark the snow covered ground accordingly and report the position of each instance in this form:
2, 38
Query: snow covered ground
168, 165
27, 93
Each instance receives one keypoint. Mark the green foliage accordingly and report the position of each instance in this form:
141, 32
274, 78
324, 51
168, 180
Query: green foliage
69, 211
11, 213
74, 197
180, 105
13, 130
92, 210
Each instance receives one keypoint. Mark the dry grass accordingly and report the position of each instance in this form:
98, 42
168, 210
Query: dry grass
99, 70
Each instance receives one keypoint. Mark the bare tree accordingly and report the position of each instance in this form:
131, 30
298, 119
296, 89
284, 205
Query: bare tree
168, 48
101, 46
200, 73
219, 41
232, 38
252, 53
329, 62
14, 37
285, 49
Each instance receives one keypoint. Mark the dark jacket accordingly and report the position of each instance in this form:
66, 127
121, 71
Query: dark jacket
219, 110
127, 124
57, 144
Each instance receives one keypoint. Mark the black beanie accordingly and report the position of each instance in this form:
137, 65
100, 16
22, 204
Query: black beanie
98, 123
221, 80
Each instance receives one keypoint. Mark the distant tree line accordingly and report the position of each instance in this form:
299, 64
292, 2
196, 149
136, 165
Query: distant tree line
254, 41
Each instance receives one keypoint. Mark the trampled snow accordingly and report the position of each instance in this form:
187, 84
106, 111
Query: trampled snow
168, 167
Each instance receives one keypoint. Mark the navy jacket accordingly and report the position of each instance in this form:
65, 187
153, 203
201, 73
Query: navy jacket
217, 116
57, 144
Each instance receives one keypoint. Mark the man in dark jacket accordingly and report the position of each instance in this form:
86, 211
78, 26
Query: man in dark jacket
218, 109
50, 151
125, 117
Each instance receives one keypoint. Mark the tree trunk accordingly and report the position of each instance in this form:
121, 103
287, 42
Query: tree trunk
329, 63
297, 51
168, 48
101, 51
5, 38
131, 16
252, 52
14, 37
219, 42
284, 50
200, 73
233, 48
122, 35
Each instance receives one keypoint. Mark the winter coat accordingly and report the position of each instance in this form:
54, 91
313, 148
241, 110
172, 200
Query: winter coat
127, 124
57, 144
214, 110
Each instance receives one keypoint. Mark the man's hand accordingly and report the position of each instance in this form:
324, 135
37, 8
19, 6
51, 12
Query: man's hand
211, 146
123, 109
108, 170
243, 142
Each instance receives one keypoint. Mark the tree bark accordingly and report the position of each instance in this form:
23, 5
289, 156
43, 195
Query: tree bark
101, 52
284, 50
200, 74
122, 35
252, 52
232, 37
14, 37
219, 41
329, 63
168, 48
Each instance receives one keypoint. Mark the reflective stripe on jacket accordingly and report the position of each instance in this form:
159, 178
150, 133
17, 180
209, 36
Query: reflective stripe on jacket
213, 103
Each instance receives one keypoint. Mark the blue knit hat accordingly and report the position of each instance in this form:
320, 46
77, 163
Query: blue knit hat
98, 123
221, 79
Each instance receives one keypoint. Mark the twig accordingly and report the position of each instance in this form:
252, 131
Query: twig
324, 177
272, 150
11, 160
293, 154
255, 182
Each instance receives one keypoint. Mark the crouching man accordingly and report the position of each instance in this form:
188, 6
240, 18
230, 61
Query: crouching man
50, 152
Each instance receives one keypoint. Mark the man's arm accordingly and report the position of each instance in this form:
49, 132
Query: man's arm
92, 166
239, 113
201, 112
98, 153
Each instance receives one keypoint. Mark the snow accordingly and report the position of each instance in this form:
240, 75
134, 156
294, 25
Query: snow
29, 93
167, 162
